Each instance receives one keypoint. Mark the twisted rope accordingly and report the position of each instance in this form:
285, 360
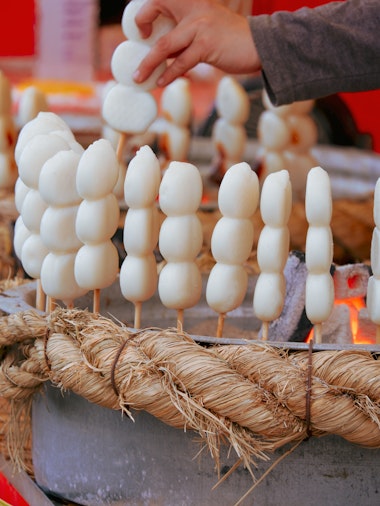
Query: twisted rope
250, 396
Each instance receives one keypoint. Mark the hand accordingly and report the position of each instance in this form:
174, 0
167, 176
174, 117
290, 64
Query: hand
205, 31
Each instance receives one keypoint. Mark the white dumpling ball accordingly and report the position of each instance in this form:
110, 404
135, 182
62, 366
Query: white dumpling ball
21, 233
240, 180
269, 296
181, 189
276, 199
129, 110
57, 184
180, 285
138, 277
232, 102
181, 238
98, 170
232, 138
57, 229
97, 220
96, 265
161, 25
273, 131
32, 210
57, 277
375, 252
231, 241
33, 253
176, 102
146, 222
373, 299
319, 296
125, 60
234, 277
21, 189
318, 201
303, 132
376, 204
43, 123
36, 152
142, 179
319, 249
273, 248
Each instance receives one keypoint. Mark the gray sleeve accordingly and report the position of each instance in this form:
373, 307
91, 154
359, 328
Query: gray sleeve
312, 53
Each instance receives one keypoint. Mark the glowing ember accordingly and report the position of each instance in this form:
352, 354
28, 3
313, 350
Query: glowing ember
354, 305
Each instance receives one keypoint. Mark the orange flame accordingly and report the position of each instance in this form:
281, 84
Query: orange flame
354, 304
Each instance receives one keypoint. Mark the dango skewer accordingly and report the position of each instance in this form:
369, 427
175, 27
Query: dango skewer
272, 248
180, 238
138, 273
238, 197
319, 295
97, 261
128, 107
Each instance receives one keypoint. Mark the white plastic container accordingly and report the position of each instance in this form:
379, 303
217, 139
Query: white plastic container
65, 39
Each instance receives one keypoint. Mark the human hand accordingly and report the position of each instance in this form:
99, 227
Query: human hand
205, 31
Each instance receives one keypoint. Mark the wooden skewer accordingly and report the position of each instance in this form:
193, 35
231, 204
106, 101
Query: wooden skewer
40, 297
219, 330
50, 304
318, 333
265, 331
121, 145
179, 320
138, 307
96, 301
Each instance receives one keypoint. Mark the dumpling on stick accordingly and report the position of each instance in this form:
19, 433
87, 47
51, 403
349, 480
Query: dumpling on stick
319, 294
138, 273
232, 240
97, 261
272, 248
57, 186
129, 107
181, 237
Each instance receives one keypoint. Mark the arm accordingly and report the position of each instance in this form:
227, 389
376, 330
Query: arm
304, 54
312, 53
205, 31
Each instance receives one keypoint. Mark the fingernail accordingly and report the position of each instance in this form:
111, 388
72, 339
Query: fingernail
136, 76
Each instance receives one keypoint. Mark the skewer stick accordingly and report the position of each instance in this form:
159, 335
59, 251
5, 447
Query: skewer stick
138, 307
40, 297
219, 330
121, 145
96, 301
50, 304
318, 333
179, 319
265, 331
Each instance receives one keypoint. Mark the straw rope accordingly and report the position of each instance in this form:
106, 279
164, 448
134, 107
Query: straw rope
252, 396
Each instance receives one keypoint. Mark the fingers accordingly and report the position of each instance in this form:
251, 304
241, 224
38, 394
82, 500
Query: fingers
146, 15
180, 65
174, 43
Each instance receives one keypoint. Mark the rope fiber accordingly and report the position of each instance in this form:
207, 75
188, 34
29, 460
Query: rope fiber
254, 397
